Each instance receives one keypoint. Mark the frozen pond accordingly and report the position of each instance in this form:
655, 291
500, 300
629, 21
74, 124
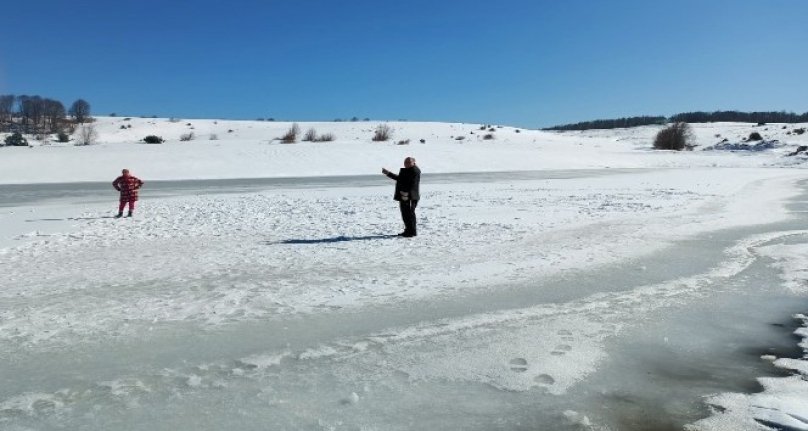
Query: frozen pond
635, 342
25, 194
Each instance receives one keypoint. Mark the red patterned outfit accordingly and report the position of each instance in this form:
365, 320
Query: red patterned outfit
128, 185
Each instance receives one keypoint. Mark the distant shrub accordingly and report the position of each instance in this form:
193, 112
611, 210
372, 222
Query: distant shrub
123, 126
460, 138
761, 124
404, 142
423, 141
113, 114
127, 119
213, 137
755, 136
187, 137
518, 131
326, 137
63, 137
488, 136
153, 139
188, 124
291, 135
229, 130
483, 127
86, 135
491, 129
172, 120
128, 126
677, 136
310, 135
16, 140
799, 131
383, 133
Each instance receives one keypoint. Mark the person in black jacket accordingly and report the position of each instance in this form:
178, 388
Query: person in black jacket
407, 182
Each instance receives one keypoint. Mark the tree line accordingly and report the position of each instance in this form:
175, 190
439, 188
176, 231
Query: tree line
689, 117
39, 115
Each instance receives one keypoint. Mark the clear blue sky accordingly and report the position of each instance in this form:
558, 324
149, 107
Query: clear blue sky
520, 62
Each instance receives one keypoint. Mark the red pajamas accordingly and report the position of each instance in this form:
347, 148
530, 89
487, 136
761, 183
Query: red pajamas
128, 186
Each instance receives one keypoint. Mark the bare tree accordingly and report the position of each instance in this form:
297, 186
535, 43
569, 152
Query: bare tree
6, 111
80, 110
54, 114
86, 135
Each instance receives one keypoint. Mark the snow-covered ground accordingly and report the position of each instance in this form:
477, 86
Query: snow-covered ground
297, 308
252, 151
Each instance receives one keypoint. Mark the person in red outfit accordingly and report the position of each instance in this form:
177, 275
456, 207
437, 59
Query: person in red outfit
128, 185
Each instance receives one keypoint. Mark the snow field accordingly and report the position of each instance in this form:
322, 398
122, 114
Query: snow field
250, 151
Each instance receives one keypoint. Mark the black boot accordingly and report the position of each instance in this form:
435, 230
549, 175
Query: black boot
120, 214
130, 214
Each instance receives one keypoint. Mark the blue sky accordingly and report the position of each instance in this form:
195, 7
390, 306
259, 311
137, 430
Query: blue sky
519, 62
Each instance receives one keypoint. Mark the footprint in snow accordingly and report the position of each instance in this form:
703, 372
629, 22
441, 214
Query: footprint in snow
544, 379
561, 349
519, 365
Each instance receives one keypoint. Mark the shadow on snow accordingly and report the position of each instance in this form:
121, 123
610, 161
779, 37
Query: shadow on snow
68, 219
341, 238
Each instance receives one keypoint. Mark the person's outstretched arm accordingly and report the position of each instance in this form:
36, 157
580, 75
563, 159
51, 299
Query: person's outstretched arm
390, 174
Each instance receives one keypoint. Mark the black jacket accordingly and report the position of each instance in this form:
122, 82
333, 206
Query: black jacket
408, 181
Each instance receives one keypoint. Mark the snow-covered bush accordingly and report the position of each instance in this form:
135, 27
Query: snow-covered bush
677, 136
187, 137
310, 136
755, 136
16, 140
63, 137
86, 135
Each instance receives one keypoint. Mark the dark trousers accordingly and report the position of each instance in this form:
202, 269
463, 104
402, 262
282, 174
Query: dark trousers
408, 215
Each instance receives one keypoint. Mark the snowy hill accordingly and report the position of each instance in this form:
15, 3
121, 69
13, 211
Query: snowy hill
250, 149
